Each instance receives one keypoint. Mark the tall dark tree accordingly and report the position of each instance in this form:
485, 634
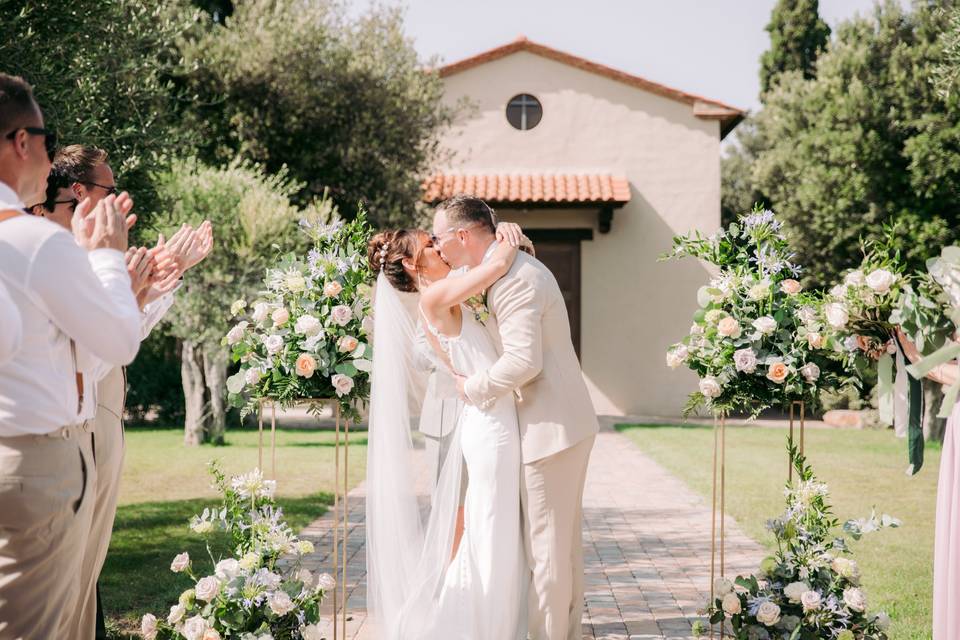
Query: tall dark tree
797, 36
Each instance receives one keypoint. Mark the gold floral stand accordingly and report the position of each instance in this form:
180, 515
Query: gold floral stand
341, 507
719, 486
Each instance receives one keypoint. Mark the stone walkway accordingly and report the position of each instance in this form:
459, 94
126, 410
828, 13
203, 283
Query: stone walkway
646, 545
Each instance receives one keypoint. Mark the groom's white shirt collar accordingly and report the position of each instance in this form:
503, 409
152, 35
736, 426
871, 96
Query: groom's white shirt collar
9, 198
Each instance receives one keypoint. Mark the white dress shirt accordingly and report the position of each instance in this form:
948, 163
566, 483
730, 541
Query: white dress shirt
63, 293
11, 327
94, 369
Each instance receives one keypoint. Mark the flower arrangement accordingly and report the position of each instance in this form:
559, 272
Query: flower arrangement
260, 594
811, 588
929, 308
307, 335
758, 340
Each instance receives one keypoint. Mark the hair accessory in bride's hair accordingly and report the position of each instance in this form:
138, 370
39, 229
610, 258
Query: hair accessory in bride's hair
383, 253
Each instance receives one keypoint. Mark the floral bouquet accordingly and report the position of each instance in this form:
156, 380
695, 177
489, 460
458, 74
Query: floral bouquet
859, 308
262, 592
929, 309
757, 340
811, 588
307, 335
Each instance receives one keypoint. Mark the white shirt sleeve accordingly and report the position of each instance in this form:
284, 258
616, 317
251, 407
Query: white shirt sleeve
154, 312
88, 297
11, 326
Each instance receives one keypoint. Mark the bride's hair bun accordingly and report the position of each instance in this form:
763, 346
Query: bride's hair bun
386, 252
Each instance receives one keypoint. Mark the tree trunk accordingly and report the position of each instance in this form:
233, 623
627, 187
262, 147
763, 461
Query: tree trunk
215, 372
193, 394
933, 427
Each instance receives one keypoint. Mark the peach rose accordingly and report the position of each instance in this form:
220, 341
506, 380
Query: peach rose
790, 287
778, 372
332, 289
816, 340
347, 344
729, 327
306, 365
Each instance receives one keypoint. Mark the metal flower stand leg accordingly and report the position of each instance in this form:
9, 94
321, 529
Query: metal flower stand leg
341, 505
719, 465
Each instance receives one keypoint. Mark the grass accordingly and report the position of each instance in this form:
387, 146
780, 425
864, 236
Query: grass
165, 483
863, 469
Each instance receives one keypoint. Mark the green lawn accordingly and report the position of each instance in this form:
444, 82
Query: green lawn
863, 468
165, 483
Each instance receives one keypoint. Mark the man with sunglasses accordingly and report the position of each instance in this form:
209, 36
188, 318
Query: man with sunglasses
71, 291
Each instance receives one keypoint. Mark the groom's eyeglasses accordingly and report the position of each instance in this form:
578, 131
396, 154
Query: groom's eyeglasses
436, 239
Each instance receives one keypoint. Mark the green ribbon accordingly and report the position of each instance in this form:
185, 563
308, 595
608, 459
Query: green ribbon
885, 388
915, 442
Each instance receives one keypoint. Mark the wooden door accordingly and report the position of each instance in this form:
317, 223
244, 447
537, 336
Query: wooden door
559, 250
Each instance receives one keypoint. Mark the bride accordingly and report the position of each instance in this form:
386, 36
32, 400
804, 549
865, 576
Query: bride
423, 583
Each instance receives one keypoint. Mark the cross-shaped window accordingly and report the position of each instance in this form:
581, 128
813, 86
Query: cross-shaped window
524, 112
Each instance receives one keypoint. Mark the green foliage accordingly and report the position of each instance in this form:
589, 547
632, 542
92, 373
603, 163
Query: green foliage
103, 73
797, 36
947, 73
153, 381
343, 102
738, 187
254, 221
868, 140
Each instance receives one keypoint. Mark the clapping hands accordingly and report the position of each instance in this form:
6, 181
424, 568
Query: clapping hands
184, 250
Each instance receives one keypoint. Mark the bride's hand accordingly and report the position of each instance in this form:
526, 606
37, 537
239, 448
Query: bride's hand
909, 348
510, 232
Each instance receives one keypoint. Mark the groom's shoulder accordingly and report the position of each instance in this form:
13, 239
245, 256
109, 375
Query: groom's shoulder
529, 269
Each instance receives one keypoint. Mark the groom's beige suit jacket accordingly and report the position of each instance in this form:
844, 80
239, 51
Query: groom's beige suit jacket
529, 323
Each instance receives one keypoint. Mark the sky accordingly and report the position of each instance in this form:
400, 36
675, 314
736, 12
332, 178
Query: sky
707, 47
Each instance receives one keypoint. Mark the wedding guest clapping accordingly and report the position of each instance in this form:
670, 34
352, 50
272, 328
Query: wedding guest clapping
67, 295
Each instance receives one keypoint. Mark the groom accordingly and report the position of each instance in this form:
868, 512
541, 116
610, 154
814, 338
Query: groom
528, 321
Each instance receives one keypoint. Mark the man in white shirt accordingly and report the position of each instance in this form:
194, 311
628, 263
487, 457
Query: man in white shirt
11, 327
68, 296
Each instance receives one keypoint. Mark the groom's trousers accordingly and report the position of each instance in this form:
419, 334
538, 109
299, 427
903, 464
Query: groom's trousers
552, 500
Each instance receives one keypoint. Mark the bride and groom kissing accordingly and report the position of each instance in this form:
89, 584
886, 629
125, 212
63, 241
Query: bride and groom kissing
513, 567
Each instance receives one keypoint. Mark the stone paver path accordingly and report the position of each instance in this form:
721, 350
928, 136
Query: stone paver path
646, 545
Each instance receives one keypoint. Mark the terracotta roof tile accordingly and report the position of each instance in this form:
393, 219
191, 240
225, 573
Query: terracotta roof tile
530, 188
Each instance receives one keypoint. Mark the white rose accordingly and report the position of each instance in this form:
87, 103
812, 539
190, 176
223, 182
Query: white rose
731, 604
765, 325
729, 327
326, 582
367, 326
307, 325
280, 316
759, 291
296, 283
696, 330
807, 314
228, 569
795, 590
332, 289
311, 632
837, 315
341, 314
745, 360
274, 344
260, 311
853, 597
207, 588
880, 280
235, 334
237, 307
677, 356
810, 371
252, 376
180, 562
211, 634
342, 384
810, 600
816, 340
194, 628
855, 279
722, 586
176, 614
280, 603
768, 613
148, 626
710, 387
846, 568
839, 291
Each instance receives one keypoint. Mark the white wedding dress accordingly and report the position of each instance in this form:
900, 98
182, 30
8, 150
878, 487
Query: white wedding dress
479, 594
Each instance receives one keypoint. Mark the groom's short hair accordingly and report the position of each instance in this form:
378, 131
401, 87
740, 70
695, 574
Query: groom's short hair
463, 211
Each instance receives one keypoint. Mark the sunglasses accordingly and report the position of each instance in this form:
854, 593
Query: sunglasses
50, 138
73, 202
109, 189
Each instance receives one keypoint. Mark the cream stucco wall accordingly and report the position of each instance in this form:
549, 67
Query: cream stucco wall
633, 307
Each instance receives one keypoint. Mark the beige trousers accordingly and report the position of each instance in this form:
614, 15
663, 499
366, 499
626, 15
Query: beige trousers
108, 447
552, 501
45, 512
